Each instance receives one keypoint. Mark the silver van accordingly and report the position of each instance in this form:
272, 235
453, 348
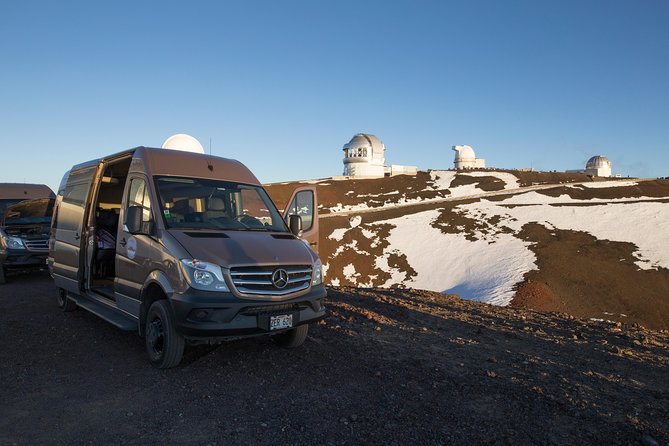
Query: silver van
185, 248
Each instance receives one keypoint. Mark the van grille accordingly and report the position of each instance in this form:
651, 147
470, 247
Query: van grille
37, 244
257, 281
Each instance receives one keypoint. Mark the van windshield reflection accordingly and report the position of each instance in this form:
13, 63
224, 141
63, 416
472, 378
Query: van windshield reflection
195, 203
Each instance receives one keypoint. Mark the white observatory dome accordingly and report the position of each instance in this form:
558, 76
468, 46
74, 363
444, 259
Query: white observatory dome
599, 166
364, 156
598, 161
464, 153
465, 158
363, 141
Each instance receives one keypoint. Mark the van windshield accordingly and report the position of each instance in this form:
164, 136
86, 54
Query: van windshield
35, 211
5, 203
194, 203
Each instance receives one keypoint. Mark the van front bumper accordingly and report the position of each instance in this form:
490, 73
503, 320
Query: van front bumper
203, 315
23, 259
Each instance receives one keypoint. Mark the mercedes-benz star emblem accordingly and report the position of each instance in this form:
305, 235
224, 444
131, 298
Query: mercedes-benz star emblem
280, 278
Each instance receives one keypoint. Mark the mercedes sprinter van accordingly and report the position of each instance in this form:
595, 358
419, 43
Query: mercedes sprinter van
25, 217
185, 248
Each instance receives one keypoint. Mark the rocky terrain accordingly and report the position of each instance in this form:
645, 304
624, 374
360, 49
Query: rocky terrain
386, 367
590, 247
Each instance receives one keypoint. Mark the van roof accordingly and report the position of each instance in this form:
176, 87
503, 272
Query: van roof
26, 191
168, 162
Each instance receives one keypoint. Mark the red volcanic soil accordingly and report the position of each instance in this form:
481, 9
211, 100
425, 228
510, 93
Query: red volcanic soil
578, 274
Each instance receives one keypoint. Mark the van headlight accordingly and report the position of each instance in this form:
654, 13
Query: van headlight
203, 275
12, 242
318, 273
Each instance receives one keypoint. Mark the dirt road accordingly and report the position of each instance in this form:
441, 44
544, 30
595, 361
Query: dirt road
386, 367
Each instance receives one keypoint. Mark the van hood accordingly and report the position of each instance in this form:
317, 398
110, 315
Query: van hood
244, 248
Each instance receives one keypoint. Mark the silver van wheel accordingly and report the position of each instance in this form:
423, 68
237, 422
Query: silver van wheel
164, 345
292, 338
65, 303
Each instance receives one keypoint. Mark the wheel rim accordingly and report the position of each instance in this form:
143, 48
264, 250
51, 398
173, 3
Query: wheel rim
155, 336
61, 299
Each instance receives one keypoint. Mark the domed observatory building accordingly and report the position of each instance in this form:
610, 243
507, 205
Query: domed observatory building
599, 166
364, 156
465, 158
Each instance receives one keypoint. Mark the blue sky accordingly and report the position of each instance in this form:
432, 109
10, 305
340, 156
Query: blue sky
282, 85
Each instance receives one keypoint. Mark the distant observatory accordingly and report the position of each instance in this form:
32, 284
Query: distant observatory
184, 142
597, 166
364, 157
465, 158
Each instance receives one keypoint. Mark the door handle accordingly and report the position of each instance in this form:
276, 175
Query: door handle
77, 236
123, 242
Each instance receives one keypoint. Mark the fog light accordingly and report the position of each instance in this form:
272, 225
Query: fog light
201, 314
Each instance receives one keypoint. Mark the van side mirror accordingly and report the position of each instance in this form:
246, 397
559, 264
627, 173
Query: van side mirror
295, 224
134, 222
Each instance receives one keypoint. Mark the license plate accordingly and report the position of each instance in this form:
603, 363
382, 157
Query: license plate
279, 322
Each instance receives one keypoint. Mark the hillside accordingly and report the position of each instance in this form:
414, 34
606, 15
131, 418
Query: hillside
548, 241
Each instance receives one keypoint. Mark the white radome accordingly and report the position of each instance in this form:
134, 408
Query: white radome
183, 142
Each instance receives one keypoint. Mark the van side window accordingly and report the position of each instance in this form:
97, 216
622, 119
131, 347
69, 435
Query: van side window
139, 196
303, 205
76, 194
72, 207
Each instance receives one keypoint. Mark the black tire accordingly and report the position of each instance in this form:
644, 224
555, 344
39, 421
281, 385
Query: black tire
3, 278
65, 303
292, 338
164, 345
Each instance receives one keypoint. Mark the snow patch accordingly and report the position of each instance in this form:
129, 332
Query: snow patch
605, 184
348, 208
441, 179
449, 263
638, 223
338, 234
350, 273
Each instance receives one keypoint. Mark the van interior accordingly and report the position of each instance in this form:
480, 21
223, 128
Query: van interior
105, 221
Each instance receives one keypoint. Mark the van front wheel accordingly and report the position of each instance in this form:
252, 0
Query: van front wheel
65, 303
292, 338
163, 344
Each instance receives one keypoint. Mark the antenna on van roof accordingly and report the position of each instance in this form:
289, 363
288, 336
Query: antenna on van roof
210, 165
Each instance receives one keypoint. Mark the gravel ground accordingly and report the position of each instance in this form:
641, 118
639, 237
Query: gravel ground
385, 367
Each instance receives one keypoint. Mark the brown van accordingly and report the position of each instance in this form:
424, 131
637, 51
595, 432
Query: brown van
185, 248
25, 218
